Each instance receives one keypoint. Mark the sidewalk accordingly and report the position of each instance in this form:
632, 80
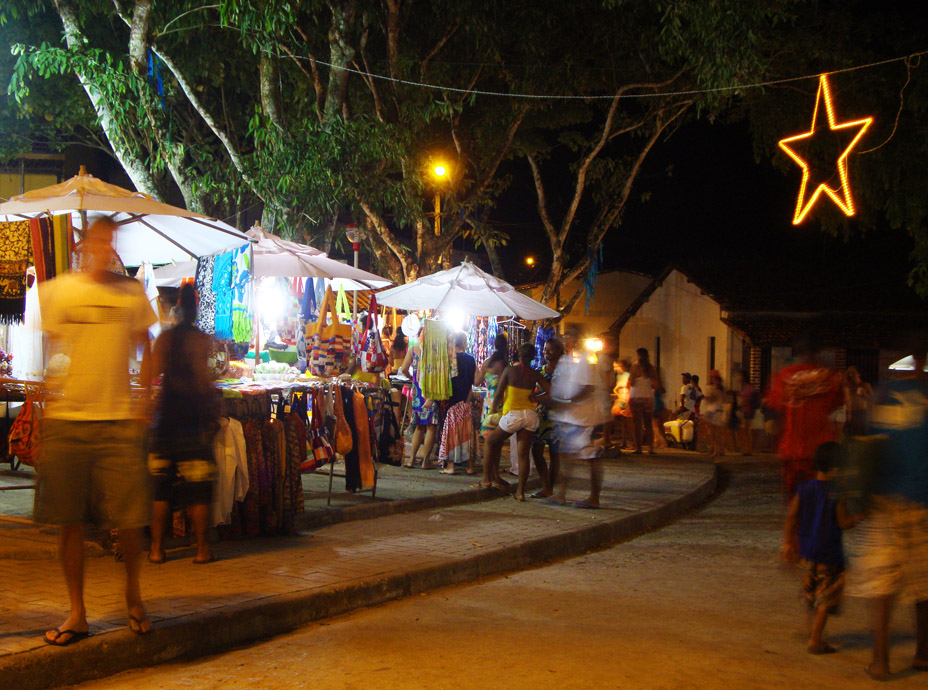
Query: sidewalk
262, 587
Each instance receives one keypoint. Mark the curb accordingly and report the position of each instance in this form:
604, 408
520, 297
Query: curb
219, 630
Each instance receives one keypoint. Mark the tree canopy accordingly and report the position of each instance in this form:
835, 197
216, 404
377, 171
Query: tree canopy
329, 111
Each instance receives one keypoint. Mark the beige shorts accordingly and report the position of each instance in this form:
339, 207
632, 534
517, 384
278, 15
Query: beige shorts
517, 420
93, 473
889, 552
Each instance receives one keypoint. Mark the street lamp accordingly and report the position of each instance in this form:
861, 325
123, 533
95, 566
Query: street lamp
530, 260
354, 236
440, 171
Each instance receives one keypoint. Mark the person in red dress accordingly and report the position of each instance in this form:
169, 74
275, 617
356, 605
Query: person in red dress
804, 394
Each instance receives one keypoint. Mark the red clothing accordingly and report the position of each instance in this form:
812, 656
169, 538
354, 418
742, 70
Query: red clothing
805, 395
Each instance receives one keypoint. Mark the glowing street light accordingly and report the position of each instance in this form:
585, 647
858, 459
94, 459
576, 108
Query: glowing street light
530, 260
440, 171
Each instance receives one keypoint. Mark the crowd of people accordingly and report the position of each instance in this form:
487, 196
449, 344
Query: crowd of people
94, 468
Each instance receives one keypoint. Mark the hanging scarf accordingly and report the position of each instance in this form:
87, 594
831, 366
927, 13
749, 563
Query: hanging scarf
222, 286
310, 310
206, 311
243, 320
15, 258
52, 244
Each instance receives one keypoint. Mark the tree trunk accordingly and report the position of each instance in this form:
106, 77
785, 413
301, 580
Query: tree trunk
340, 56
133, 164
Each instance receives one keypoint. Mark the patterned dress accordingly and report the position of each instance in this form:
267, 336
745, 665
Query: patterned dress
420, 415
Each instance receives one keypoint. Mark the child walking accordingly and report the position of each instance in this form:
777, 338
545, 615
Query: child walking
817, 518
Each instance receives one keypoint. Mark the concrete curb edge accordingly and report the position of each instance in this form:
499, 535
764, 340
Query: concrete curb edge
223, 629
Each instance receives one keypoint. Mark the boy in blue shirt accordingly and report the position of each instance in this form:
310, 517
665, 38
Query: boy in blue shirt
817, 518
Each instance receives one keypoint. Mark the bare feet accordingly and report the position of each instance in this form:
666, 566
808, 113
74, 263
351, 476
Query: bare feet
542, 493
481, 485
519, 496
448, 470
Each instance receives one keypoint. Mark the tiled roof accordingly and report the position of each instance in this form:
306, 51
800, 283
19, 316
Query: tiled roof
875, 329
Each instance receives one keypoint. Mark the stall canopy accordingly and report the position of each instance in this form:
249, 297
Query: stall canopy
148, 229
275, 257
467, 289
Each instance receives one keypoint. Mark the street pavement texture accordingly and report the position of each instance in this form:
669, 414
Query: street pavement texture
262, 587
701, 603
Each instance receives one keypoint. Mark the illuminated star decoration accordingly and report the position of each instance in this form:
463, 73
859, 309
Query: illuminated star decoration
841, 197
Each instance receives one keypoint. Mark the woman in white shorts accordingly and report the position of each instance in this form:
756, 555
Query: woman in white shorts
515, 395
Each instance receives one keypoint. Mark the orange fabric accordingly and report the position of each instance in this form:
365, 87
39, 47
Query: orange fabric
363, 428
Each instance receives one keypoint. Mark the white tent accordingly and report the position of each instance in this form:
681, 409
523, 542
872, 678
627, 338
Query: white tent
148, 229
467, 289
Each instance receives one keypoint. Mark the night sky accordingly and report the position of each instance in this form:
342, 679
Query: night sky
726, 220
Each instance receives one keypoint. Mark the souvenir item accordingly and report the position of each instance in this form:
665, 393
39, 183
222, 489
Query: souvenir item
330, 341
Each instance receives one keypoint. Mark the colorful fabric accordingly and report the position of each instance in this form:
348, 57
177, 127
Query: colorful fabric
222, 286
243, 320
310, 307
805, 394
492, 381
206, 310
457, 436
15, 257
819, 532
541, 337
420, 414
52, 245
435, 375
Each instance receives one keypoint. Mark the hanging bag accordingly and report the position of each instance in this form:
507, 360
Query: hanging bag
373, 355
390, 444
24, 440
342, 307
330, 341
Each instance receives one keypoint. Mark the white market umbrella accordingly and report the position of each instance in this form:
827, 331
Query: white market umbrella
148, 229
274, 256
467, 289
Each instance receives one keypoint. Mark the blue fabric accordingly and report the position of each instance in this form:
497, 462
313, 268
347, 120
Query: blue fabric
222, 286
900, 412
541, 337
309, 307
819, 533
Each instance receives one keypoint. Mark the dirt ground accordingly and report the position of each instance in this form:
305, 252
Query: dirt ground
702, 603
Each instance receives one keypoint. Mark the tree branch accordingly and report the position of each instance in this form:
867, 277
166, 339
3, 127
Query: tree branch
542, 201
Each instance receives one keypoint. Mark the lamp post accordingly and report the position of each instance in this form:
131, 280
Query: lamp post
354, 236
439, 171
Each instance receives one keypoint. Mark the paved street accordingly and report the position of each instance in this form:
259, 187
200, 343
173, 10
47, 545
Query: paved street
701, 603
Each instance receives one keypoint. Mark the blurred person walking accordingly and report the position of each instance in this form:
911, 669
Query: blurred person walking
805, 395
574, 411
92, 469
186, 419
892, 558
660, 411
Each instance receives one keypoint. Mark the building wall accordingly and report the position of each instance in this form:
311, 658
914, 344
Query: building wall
684, 319
614, 291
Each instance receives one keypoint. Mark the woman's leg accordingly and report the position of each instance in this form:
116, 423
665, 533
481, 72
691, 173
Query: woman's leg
637, 414
415, 443
538, 456
161, 511
429, 444
493, 448
524, 437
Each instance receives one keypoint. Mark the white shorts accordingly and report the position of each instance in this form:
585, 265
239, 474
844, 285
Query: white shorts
517, 420
575, 440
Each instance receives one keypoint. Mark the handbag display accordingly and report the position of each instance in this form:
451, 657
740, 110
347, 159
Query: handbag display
329, 353
373, 356
24, 440
343, 439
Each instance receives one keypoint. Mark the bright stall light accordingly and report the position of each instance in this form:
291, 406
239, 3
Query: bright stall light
455, 319
593, 345
271, 301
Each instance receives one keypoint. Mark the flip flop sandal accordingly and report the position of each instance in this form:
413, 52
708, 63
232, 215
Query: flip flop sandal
551, 502
875, 675
135, 625
212, 559
583, 505
157, 561
75, 637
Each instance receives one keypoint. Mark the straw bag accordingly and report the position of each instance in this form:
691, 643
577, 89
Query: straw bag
373, 355
328, 355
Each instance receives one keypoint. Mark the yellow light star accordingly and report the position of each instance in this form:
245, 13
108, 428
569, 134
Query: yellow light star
841, 197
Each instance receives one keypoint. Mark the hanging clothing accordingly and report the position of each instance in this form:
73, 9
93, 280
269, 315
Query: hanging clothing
231, 470
15, 257
52, 245
222, 286
362, 440
457, 437
420, 414
243, 321
203, 284
436, 370
310, 308
26, 339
